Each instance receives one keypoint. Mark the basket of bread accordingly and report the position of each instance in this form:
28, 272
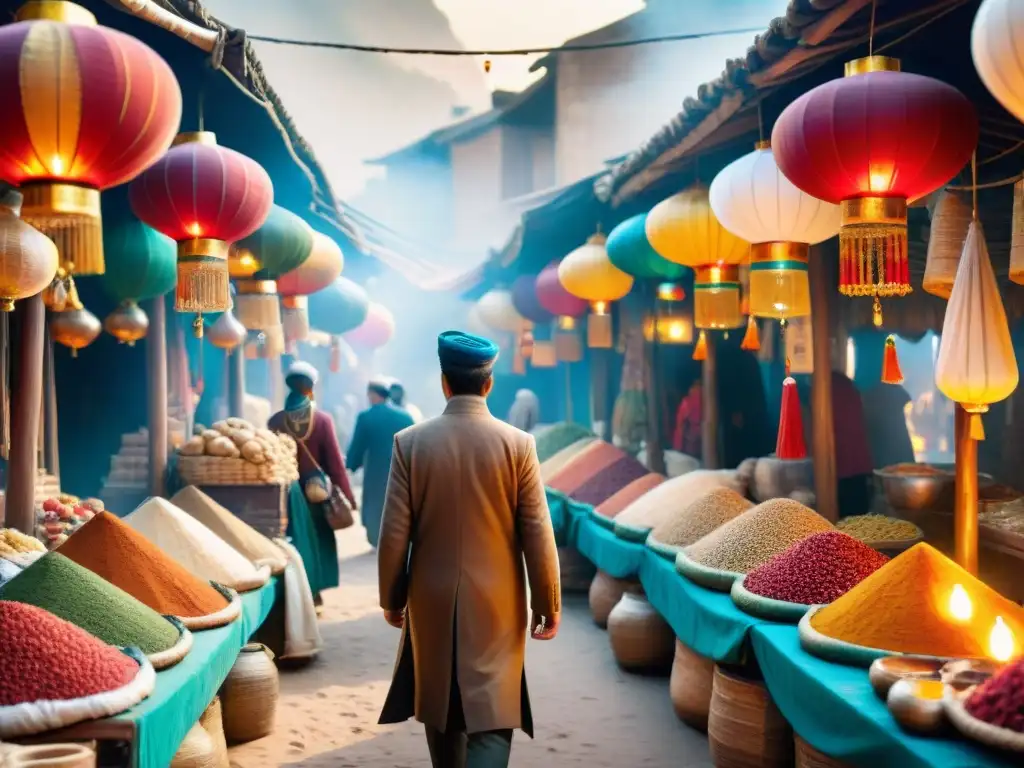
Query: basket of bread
234, 452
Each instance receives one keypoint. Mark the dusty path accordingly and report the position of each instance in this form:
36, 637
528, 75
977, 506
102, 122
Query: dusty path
587, 711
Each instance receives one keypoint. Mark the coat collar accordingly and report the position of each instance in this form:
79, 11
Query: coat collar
467, 405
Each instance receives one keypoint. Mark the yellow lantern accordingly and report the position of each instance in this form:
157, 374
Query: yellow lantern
673, 325
587, 273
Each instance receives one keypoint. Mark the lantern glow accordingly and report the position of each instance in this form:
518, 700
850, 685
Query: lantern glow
1001, 643
960, 606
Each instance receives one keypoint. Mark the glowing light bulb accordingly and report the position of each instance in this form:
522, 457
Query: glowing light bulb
194, 229
960, 606
57, 164
675, 331
1001, 644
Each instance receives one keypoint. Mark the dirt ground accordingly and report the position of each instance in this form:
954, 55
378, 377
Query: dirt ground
587, 712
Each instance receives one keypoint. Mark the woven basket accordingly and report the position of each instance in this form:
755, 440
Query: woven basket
49, 756
224, 616
950, 221
177, 652
631, 532
808, 757
575, 571
213, 723
249, 695
766, 607
712, 578
745, 728
197, 750
605, 593
690, 686
641, 640
221, 470
978, 730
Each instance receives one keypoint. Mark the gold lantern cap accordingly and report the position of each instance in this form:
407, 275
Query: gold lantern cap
256, 287
208, 138
295, 302
872, 64
762, 144
55, 10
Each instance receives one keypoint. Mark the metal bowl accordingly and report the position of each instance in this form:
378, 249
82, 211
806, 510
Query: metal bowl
921, 492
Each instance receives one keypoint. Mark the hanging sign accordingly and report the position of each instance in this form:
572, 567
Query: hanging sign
799, 345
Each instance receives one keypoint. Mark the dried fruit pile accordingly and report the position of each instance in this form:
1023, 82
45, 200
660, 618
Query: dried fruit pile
665, 501
756, 536
999, 700
815, 571
43, 657
700, 517
878, 528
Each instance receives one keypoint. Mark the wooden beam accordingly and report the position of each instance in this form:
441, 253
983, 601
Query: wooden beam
26, 407
157, 384
655, 443
822, 420
710, 426
965, 512
51, 450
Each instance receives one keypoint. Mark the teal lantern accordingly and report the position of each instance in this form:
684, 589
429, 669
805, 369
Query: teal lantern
141, 264
630, 251
339, 308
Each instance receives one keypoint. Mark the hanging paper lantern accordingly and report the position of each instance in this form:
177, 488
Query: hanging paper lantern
996, 42
339, 308
754, 201
87, 108
75, 327
204, 197
716, 297
1017, 234
227, 332
319, 270
874, 141
951, 219
28, 259
526, 302
497, 311
128, 323
673, 324
588, 274
566, 308
631, 251
375, 331
976, 364
141, 264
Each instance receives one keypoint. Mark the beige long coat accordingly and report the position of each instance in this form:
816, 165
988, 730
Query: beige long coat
465, 493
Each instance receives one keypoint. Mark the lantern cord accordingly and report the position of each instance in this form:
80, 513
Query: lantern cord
1007, 182
871, 29
1001, 155
932, 15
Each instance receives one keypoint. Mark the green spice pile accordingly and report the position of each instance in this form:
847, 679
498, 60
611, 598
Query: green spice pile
756, 536
79, 596
878, 528
559, 436
700, 517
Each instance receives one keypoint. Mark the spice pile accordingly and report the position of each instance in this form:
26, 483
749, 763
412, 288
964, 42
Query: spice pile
195, 546
272, 456
597, 457
756, 536
815, 571
59, 517
871, 528
671, 497
18, 549
130, 561
700, 517
550, 467
44, 658
621, 499
75, 594
999, 701
904, 607
559, 436
604, 484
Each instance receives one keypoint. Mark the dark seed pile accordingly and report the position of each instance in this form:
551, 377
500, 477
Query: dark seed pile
43, 657
999, 700
815, 571
609, 481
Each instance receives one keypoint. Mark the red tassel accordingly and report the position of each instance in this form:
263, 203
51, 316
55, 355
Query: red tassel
790, 443
700, 352
891, 373
751, 339
335, 362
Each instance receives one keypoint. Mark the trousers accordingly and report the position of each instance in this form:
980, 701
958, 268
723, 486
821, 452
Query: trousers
454, 748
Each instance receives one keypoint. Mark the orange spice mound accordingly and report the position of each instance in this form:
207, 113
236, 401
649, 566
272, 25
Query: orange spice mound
904, 607
124, 557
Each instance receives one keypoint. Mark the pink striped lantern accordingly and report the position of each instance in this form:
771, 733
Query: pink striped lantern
376, 330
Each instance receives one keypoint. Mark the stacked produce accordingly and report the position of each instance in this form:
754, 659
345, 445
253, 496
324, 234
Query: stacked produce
18, 549
559, 436
919, 603
668, 499
690, 522
999, 701
252, 455
57, 518
128, 560
597, 457
876, 528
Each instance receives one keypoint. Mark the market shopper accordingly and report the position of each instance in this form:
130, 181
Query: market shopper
525, 411
398, 397
370, 450
464, 505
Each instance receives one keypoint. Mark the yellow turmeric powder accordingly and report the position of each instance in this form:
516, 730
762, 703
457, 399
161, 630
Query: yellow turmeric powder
904, 607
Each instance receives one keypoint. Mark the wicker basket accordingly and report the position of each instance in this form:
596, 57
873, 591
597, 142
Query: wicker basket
197, 750
249, 696
213, 723
605, 593
575, 571
690, 686
641, 640
745, 728
221, 470
808, 757
49, 756
977, 730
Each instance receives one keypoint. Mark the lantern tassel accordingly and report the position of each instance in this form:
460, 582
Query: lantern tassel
790, 443
700, 352
203, 285
891, 372
752, 338
977, 427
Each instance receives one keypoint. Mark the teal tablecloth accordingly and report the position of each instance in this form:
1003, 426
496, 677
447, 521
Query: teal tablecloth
834, 709
704, 620
616, 557
557, 507
184, 691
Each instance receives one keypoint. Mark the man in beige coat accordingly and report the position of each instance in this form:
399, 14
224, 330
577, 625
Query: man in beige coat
464, 506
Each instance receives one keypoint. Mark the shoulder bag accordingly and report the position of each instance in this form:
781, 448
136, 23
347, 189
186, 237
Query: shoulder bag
320, 490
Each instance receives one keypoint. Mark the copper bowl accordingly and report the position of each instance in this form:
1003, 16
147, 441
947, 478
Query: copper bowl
922, 492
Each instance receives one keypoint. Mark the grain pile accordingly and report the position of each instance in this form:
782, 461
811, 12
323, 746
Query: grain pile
700, 517
195, 546
669, 498
559, 436
550, 467
622, 498
869, 528
259, 455
904, 607
124, 557
609, 481
756, 536
242, 537
75, 594
999, 701
815, 571
588, 463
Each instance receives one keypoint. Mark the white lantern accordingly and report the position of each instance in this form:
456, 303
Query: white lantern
496, 310
996, 44
754, 201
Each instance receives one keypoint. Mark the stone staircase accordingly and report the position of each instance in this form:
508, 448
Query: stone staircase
127, 484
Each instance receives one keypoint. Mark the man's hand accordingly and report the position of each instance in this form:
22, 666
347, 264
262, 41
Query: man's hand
395, 618
544, 627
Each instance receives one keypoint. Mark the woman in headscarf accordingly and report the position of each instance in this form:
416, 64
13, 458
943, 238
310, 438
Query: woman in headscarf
525, 411
319, 455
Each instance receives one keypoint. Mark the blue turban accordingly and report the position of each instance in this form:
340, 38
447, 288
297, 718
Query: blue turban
458, 350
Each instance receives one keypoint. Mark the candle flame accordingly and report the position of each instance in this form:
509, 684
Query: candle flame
960, 606
1000, 641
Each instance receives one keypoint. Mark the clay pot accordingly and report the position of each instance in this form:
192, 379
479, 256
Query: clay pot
49, 756
249, 696
641, 640
745, 728
777, 478
575, 570
197, 750
690, 686
808, 757
213, 723
605, 593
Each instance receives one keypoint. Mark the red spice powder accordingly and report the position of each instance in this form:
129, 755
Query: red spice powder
43, 657
999, 700
815, 571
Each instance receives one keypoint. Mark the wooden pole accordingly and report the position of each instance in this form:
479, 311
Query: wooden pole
599, 391
709, 425
965, 513
236, 391
567, 367
823, 437
26, 406
157, 382
50, 439
655, 446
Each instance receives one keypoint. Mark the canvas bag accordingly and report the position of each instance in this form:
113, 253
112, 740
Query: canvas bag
301, 632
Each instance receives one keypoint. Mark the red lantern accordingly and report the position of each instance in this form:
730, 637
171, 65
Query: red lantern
204, 197
553, 297
874, 141
85, 108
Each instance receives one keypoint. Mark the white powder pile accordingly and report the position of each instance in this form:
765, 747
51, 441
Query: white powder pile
671, 497
195, 546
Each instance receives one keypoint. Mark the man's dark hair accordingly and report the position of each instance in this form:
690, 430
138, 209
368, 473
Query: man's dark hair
466, 381
397, 393
380, 390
